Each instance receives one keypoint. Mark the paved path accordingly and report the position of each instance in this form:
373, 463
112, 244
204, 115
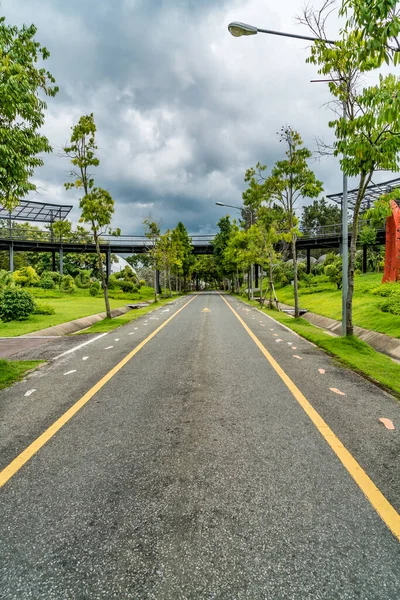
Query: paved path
192, 471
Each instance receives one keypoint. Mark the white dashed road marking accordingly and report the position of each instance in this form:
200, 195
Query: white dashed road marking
85, 357
69, 372
108, 347
29, 392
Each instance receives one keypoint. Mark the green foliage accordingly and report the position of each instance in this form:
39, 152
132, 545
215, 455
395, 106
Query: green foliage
82, 280
22, 110
11, 371
333, 269
319, 214
62, 229
16, 304
6, 279
82, 153
367, 235
43, 309
382, 208
26, 276
95, 288
46, 282
142, 282
67, 284
386, 289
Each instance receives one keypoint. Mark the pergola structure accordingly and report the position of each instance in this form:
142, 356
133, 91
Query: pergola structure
39, 212
36, 212
374, 191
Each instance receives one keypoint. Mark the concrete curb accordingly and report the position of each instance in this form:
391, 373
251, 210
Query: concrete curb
77, 325
378, 341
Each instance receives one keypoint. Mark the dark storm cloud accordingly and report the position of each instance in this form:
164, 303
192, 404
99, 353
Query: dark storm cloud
182, 108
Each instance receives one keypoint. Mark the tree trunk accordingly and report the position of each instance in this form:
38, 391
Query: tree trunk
169, 283
261, 285
364, 182
103, 277
271, 281
295, 280
165, 283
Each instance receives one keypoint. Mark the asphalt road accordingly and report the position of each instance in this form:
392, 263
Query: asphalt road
193, 472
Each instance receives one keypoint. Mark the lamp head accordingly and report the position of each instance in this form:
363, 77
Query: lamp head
238, 29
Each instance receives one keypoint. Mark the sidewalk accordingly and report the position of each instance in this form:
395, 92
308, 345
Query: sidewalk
378, 341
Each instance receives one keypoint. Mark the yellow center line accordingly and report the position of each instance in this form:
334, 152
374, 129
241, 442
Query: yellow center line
382, 506
35, 446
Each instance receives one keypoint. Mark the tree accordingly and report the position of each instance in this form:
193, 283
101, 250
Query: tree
368, 134
290, 180
22, 110
61, 229
219, 244
152, 232
266, 237
333, 269
183, 244
97, 205
319, 214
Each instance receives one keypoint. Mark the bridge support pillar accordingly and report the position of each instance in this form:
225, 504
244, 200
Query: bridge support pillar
61, 262
158, 286
308, 270
11, 255
108, 263
364, 263
256, 274
53, 260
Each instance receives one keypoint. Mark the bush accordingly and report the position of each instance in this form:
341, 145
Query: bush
6, 279
54, 275
26, 276
94, 289
82, 279
142, 283
391, 305
126, 286
43, 309
386, 289
16, 304
67, 284
47, 283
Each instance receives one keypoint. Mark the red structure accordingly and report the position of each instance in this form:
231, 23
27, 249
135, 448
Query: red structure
392, 255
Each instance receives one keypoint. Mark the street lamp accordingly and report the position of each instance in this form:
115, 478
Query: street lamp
238, 29
249, 210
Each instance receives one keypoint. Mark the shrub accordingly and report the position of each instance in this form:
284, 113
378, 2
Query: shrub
16, 304
26, 276
6, 279
391, 304
386, 289
54, 275
142, 283
126, 286
94, 289
82, 279
43, 309
67, 284
47, 283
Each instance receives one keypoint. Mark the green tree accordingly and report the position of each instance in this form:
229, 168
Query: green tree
97, 205
290, 180
220, 242
184, 250
22, 109
319, 214
333, 269
368, 134
152, 232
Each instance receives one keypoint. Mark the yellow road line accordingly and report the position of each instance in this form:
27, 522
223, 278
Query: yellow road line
33, 448
382, 506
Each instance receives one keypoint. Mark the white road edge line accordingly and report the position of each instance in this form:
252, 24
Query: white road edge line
80, 346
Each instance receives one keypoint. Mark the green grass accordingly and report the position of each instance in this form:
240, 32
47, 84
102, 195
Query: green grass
110, 324
366, 312
14, 371
68, 307
349, 351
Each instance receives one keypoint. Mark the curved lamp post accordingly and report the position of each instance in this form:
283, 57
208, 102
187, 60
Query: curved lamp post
237, 29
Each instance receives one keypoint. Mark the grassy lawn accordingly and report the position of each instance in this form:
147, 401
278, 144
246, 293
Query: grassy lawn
110, 324
350, 352
68, 307
14, 371
366, 312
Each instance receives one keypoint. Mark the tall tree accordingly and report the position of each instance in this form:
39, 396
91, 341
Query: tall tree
183, 244
97, 205
368, 132
319, 214
22, 110
290, 180
219, 244
152, 232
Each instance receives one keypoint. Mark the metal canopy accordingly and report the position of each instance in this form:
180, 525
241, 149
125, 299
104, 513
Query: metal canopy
374, 191
43, 212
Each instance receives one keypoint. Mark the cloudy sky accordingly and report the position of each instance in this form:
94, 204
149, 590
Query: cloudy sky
182, 108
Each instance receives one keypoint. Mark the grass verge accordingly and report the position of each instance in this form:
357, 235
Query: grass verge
350, 351
110, 324
12, 371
